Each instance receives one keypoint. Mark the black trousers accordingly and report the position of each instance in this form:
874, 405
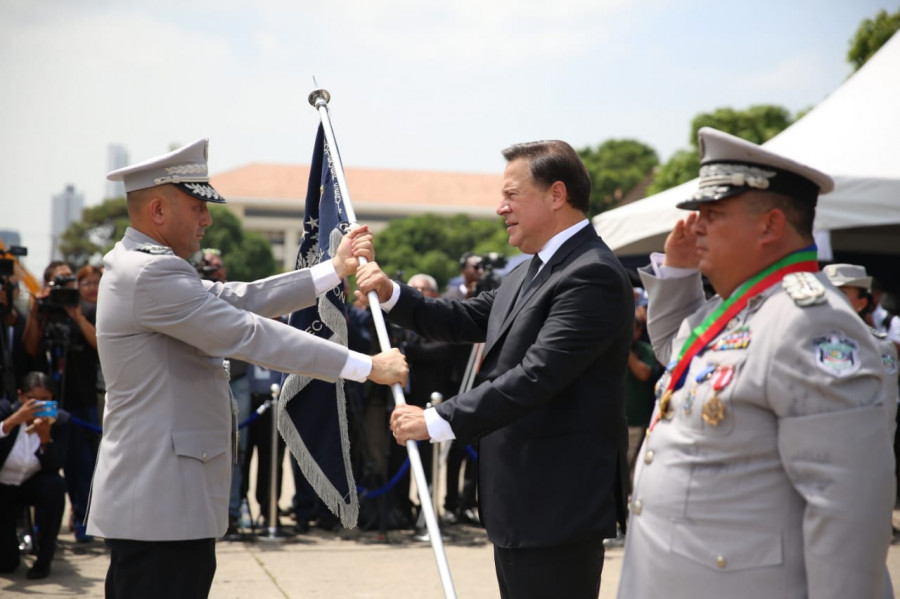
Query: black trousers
46, 491
571, 571
154, 569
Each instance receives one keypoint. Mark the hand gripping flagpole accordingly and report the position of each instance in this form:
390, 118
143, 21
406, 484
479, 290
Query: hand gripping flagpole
319, 99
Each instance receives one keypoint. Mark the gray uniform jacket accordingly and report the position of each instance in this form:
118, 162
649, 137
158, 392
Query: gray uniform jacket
789, 494
164, 466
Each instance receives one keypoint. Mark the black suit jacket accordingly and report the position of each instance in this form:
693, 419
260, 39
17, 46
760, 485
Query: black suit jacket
549, 408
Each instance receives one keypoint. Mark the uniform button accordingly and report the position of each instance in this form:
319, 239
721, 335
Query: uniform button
203, 457
648, 457
636, 507
720, 561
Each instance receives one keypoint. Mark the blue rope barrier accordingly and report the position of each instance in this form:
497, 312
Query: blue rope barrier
98, 429
366, 494
249, 419
472, 453
88, 425
363, 492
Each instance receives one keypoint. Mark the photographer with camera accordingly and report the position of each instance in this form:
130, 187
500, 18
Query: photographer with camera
61, 338
29, 472
14, 361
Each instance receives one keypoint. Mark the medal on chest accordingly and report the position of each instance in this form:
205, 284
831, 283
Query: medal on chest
714, 408
698, 380
715, 322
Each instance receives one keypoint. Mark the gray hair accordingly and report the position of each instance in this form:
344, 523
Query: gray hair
427, 279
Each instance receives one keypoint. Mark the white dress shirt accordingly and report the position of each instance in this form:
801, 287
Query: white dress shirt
21, 463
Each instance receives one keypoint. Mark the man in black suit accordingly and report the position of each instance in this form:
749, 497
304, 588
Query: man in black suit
549, 405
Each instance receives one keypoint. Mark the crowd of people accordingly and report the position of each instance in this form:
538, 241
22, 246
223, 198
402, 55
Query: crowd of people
728, 412
52, 357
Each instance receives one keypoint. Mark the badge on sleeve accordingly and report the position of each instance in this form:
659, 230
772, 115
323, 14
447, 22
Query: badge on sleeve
836, 354
890, 362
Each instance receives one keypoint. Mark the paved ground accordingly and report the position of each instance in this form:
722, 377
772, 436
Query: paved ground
347, 565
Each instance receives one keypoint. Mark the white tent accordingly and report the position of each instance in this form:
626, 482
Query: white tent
853, 135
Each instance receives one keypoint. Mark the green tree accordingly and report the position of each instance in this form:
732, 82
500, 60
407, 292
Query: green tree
615, 167
98, 230
757, 124
871, 36
682, 166
247, 254
433, 244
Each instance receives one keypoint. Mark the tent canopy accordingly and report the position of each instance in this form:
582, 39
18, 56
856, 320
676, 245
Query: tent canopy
853, 135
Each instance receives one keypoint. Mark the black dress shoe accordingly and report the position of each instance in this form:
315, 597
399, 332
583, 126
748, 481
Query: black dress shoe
232, 533
470, 517
38, 571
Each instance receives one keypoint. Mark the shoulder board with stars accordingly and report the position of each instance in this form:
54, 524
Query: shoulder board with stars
877, 334
154, 250
804, 288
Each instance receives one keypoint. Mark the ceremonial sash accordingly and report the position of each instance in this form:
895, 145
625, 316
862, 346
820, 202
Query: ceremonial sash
712, 325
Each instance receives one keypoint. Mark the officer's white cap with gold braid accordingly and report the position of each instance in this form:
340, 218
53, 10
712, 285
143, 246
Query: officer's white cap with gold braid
730, 166
186, 168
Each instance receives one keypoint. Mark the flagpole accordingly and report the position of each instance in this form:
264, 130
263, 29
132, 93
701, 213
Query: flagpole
319, 99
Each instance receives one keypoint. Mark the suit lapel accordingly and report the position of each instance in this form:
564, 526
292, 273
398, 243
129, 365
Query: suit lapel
509, 307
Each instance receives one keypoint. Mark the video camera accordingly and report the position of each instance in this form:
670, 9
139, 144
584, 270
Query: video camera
490, 278
62, 295
7, 260
204, 268
8, 269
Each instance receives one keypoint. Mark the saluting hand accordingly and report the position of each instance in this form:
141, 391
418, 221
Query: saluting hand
681, 244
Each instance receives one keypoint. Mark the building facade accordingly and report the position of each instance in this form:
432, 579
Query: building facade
270, 198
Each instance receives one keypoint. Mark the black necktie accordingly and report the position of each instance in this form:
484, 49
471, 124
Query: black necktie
533, 268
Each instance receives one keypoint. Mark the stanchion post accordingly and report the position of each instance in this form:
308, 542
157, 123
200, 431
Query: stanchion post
436, 398
272, 532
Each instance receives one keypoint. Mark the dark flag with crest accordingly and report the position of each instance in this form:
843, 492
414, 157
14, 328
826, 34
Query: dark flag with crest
313, 415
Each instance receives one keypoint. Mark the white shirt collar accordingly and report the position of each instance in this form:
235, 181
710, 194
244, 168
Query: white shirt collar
557, 240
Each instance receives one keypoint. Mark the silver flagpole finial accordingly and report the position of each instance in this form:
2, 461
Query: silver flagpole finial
318, 96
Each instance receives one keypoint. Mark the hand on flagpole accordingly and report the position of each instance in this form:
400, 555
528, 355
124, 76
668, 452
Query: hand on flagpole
408, 424
370, 277
389, 367
356, 244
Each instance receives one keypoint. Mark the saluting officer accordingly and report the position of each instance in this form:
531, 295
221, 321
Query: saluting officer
768, 467
160, 490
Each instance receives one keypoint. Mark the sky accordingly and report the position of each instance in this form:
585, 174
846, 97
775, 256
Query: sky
414, 85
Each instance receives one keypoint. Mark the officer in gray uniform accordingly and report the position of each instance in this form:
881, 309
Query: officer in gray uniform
768, 467
856, 284
160, 489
